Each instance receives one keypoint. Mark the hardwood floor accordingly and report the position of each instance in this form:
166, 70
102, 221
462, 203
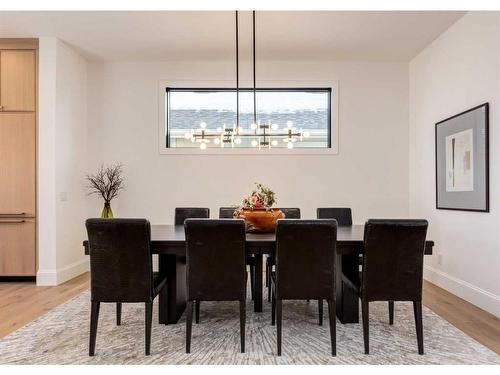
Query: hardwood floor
23, 302
475, 322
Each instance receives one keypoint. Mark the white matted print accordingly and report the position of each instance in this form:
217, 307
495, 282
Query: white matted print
459, 161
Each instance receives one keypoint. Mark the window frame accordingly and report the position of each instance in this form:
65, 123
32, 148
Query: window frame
246, 85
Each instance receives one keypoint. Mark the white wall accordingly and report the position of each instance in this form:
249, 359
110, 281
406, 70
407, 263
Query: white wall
370, 173
459, 70
62, 162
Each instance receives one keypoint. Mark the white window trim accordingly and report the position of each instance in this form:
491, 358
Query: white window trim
334, 131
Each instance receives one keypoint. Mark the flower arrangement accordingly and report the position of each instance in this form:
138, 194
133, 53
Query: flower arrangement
260, 198
257, 210
106, 182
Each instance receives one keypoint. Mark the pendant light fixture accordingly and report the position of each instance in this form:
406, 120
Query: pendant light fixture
262, 135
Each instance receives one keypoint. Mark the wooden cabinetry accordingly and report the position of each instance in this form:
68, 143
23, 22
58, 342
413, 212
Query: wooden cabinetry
18, 162
17, 80
17, 247
18, 86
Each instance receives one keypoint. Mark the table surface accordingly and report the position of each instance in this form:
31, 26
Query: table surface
173, 235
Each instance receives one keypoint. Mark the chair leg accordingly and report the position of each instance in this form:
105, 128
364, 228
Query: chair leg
279, 316
273, 307
320, 311
252, 281
242, 324
149, 320
267, 274
269, 293
197, 311
118, 313
333, 326
366, 334
269, 270
391, 312
189, 325
417, 309
94, 318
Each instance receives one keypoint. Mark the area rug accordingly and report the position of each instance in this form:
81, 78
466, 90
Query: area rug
61, 337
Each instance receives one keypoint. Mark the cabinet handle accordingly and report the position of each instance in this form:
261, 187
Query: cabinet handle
14, 214
12, 221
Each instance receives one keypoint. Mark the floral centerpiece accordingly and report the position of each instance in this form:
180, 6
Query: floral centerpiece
257, 210
106, 182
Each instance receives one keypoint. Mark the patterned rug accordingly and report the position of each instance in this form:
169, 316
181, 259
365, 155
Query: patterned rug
61, 337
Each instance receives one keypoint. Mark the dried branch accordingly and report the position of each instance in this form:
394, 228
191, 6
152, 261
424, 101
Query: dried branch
106, 182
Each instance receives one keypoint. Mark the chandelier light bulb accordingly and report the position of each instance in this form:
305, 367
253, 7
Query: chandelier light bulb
274, 142
216, 141
253, 126
203, 124
289, 145
187, 135
237, 141
306, 134
203, 146
274, 126
219, 130
254, 143
289, 124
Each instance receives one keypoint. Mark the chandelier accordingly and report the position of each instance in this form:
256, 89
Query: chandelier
261, 135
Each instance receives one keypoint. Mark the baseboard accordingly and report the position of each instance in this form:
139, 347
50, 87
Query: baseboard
60, 275
46, 278
471, 293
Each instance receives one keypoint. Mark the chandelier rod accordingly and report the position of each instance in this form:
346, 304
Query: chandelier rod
254, 90
237, 76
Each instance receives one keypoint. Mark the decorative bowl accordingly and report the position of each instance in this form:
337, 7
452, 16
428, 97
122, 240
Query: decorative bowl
261, 220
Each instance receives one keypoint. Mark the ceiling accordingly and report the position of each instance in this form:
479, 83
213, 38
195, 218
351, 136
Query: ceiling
169, 35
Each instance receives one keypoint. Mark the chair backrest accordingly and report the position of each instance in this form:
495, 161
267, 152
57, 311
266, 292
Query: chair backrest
183, 213
343, 215
120, 260
305, 259
393, 260
215, 254
291, 213
226, 212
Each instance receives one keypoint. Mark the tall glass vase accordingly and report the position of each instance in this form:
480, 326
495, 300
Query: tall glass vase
107, 212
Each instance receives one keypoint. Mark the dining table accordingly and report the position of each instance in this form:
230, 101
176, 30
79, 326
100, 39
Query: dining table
169, 242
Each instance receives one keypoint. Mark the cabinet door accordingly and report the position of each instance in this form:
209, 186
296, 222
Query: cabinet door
17, 80
17, 247
17, 163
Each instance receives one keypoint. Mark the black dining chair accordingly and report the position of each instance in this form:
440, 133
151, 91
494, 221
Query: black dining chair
216, 271
228, 213
343, 215
121, 269
290, 213
392, 269
183, 213
305, 268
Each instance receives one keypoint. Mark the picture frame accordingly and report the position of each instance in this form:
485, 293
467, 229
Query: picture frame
462, 161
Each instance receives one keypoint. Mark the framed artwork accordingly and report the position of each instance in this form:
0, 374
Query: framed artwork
462, 165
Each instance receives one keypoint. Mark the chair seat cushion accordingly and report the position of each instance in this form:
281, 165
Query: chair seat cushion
158, 282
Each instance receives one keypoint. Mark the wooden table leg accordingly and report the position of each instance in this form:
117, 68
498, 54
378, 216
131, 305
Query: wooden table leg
347, 304
172, 301
257, 303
